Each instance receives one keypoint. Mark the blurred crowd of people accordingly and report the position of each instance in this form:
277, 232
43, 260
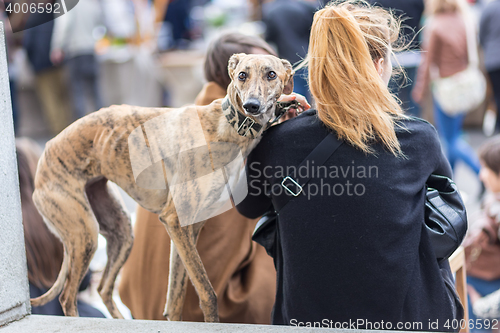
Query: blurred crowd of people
65, 57
66, 54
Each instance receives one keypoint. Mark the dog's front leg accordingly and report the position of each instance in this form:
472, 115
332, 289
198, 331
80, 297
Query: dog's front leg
178, 278
177, 284
185, 244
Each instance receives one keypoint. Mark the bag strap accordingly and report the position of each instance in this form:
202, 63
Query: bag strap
294, 184
470, 36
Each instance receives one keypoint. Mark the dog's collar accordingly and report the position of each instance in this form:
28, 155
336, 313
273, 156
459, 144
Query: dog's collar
244, 126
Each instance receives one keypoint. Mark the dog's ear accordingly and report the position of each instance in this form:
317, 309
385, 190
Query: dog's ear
288, 88
233, 62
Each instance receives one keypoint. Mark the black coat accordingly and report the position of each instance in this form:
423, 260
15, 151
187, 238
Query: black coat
354, 246
288, 26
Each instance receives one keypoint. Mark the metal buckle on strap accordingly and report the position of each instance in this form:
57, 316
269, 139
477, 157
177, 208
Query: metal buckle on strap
295, 194
244, 124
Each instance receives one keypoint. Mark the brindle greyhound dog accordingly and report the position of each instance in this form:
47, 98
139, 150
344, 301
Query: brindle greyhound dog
72, 195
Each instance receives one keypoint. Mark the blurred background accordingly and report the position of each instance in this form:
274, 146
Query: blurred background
150, 53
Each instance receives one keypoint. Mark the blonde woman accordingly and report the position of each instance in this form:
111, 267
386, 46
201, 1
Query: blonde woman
354, 250
445, 48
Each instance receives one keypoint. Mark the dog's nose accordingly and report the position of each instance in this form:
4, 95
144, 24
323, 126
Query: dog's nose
252, 106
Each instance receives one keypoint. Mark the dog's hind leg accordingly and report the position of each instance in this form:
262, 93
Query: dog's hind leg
186, 248
178, 278
67, 213
115, 226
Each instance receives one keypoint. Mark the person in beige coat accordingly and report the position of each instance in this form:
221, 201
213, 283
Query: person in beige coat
241, 272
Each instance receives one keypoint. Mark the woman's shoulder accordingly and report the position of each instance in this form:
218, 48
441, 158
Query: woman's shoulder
416, 123
300, 131
415, 135
308, 125
300, 125
304, 118
417, 132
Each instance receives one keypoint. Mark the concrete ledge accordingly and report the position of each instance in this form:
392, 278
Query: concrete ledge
49, 324
15, 313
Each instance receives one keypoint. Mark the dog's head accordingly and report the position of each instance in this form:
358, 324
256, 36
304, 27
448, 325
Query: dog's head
257, 81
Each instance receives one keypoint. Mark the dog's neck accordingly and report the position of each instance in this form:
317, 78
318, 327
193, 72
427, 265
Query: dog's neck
244, 126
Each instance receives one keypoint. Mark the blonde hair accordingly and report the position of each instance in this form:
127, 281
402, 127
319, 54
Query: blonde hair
346, 39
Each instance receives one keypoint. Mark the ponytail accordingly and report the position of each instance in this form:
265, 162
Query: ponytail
351, 97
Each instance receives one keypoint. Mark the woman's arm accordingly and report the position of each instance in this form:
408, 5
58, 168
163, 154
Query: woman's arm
256, 202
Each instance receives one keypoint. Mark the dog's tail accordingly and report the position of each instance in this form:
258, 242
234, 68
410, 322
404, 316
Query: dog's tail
58, 285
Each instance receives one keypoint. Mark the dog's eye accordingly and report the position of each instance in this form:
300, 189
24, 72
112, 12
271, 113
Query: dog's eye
271, 75
242, 76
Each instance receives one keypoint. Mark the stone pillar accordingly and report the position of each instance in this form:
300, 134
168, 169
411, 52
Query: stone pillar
14, 291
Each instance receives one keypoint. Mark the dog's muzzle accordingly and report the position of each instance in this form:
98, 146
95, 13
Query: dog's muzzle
252, 106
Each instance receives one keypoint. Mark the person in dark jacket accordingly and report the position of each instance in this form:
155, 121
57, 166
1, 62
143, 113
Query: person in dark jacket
355, 253
489, 38
288, 24
50, 83
411, 12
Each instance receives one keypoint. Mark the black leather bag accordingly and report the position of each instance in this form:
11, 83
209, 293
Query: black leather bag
445, 216
445, 220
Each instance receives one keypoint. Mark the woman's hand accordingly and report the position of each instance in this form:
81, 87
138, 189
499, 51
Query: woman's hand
292, 113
